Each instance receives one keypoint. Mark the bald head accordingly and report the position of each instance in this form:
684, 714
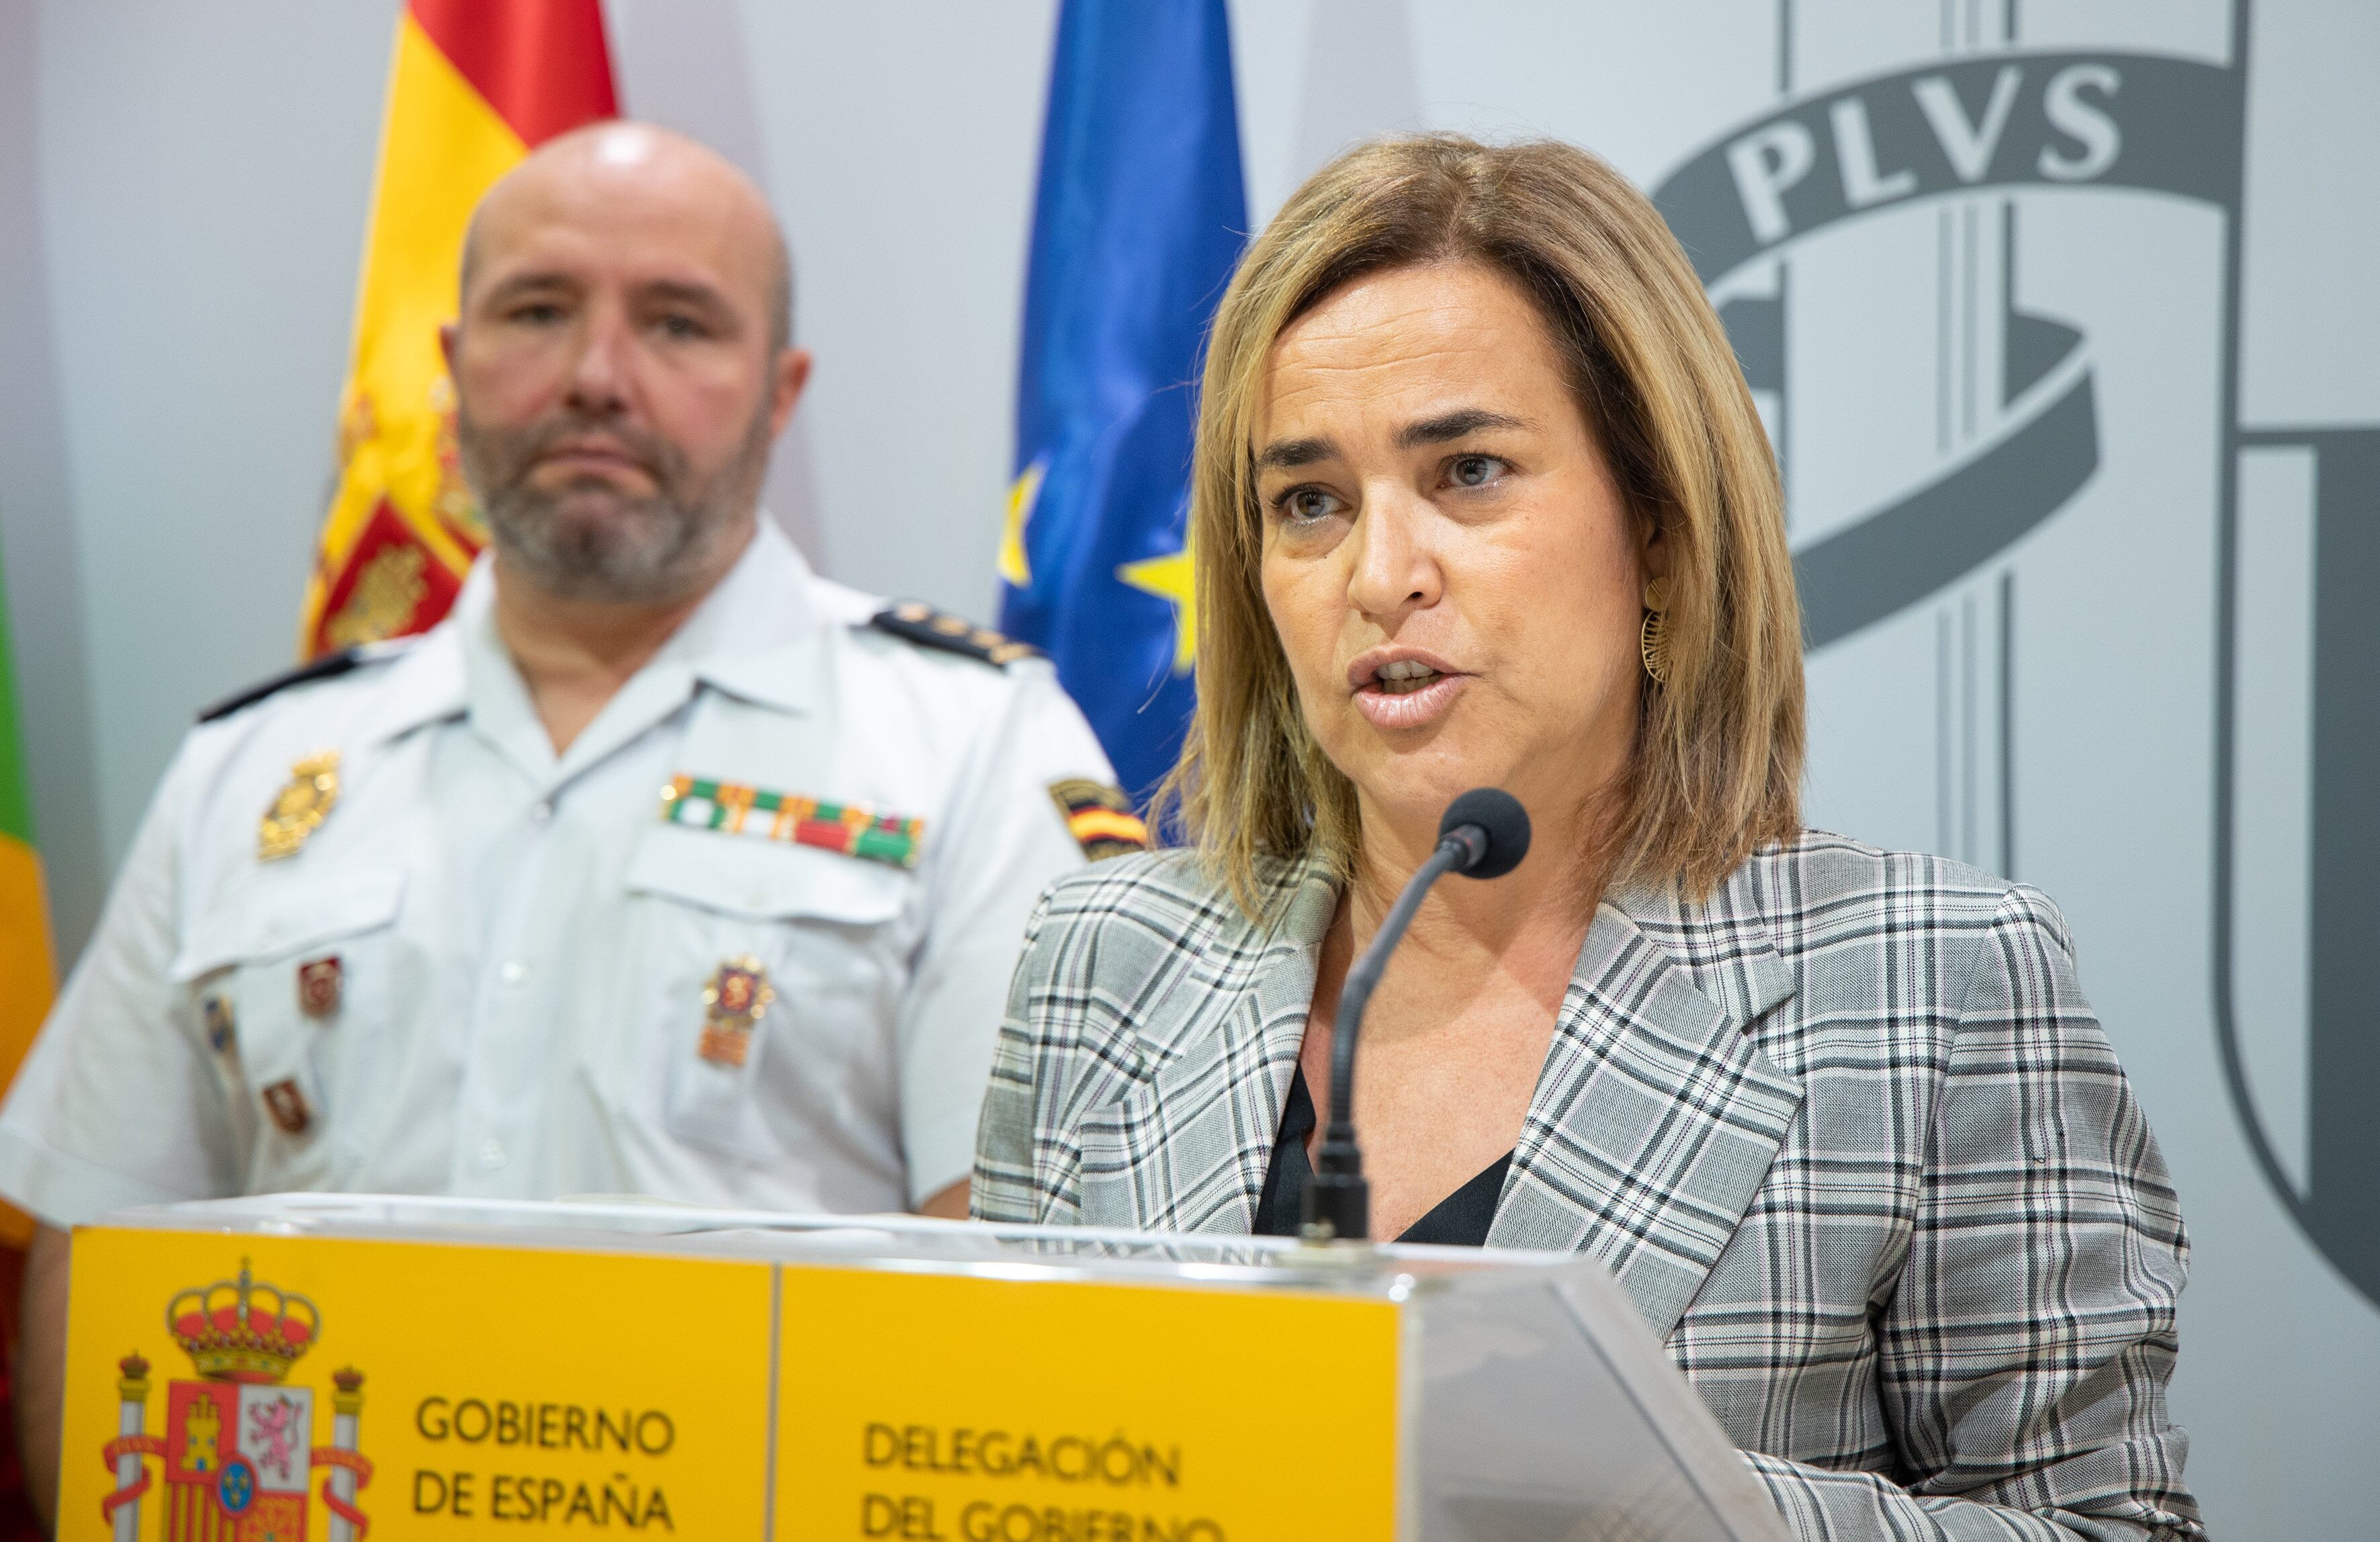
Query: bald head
620, 171
621, 364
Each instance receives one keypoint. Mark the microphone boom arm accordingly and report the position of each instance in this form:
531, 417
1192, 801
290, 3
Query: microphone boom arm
1338, 1197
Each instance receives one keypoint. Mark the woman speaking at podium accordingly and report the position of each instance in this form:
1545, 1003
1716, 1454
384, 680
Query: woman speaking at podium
1481, 500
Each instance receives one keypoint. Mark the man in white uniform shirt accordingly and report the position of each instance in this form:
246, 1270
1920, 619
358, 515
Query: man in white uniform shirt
660, 867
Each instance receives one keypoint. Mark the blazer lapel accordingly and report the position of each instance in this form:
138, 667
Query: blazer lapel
1187, 1150
1656, 1117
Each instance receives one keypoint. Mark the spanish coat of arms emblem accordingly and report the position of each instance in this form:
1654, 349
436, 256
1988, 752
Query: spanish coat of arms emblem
238, 1453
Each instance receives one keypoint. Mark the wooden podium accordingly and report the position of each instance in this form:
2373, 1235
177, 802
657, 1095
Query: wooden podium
327, 1366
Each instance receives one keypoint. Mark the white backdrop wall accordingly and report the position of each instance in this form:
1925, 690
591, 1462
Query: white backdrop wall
182, 195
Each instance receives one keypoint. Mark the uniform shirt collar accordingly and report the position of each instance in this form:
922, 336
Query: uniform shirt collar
424, 685
762, 603
753, 637
741, 638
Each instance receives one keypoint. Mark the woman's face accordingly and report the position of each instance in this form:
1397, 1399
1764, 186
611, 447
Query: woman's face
1456, 583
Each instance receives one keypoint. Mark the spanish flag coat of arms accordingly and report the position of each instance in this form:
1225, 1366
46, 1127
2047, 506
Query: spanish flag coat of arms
476, 84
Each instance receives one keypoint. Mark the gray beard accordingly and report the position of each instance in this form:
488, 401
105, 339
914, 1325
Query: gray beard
589, 540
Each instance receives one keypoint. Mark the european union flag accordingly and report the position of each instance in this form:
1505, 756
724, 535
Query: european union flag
1140, 217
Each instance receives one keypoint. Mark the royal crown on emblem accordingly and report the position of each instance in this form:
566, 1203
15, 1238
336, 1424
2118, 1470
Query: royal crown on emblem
242, 1330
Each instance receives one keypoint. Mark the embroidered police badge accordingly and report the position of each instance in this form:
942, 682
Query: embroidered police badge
300, 809
1100, 818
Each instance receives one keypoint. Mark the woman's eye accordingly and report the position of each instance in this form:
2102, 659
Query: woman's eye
1306, 502
1473, 471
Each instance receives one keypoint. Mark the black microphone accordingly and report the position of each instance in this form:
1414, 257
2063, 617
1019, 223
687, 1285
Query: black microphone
1484, 835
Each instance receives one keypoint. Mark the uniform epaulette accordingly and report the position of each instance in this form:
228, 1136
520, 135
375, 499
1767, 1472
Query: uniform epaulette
914, 621
330, 666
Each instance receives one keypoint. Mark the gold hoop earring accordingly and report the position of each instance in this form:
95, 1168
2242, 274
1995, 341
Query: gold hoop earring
1653, 641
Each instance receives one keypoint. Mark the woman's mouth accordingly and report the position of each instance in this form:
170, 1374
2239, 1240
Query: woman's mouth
1405, 676
1407, 693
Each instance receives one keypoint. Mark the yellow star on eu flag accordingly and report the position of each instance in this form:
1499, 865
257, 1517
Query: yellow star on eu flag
1171, 579
1013, 565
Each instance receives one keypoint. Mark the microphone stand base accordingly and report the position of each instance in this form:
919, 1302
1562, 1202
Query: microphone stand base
1338, 1204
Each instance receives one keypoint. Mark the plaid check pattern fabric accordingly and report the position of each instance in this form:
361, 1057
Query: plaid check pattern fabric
1847, 1133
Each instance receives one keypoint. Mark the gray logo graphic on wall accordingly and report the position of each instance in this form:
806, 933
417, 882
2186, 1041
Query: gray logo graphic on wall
1994, 131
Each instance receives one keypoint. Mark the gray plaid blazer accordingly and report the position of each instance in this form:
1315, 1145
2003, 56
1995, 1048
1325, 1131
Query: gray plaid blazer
1848, 1134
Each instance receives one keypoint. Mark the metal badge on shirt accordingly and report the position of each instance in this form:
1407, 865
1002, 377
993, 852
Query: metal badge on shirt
735, 808
733, 1001
286, 1101
322, 985
222, 1030
300, 809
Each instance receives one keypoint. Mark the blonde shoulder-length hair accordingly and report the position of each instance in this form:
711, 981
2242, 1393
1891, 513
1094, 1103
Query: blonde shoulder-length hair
1716, 766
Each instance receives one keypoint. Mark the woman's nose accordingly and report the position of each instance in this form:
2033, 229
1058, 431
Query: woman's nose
1395, 571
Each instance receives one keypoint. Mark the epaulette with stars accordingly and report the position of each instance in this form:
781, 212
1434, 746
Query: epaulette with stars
914, 621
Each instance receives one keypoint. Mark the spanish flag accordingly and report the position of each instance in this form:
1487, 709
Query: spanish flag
475, 85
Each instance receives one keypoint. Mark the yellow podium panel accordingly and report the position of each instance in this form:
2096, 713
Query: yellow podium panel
241, 1388
942, 1409
275, 1388
333, 1367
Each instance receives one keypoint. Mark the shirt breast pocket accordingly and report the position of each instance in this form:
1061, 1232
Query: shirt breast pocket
772, 977
293, 982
